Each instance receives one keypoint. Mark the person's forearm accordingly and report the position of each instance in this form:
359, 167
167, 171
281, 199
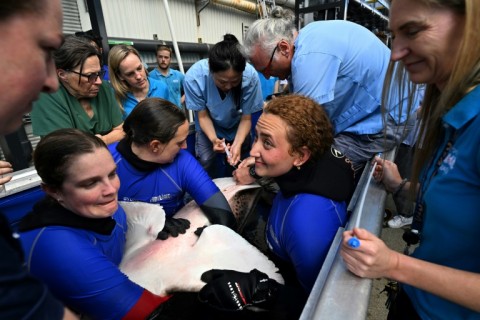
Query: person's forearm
115, 135
458, 286
243, 129
404, 189
206, 125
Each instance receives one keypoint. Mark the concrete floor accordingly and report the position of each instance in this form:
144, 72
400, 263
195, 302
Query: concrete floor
376, 308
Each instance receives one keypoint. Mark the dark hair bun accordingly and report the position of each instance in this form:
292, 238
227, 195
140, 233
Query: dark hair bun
230, 38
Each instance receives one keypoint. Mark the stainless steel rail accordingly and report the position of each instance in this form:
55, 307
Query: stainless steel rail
337, 293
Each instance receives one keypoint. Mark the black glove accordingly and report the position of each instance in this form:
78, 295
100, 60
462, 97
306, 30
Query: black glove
229, 290
173, 227
199, 231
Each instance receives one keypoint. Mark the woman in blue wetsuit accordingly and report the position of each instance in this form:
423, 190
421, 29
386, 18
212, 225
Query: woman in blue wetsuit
154, 166
293, 145
74, 238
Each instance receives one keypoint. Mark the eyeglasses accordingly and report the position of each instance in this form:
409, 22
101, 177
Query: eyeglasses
92, 77
267, 68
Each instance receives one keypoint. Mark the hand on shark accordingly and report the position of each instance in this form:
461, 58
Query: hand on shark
176, 264
173, 227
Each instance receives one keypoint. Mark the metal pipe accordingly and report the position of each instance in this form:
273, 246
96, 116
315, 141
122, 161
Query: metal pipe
150, 45
175, 47
174, 39
250, 7
242, 5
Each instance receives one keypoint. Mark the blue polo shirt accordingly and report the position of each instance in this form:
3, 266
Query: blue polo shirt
174, 81
157, 89
342, 66
452, 208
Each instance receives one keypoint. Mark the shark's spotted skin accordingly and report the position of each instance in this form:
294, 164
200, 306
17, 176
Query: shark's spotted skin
176, 264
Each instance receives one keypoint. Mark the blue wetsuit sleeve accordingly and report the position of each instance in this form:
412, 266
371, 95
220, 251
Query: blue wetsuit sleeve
196, 180
205, 192
308, 233
218, 211
81, 275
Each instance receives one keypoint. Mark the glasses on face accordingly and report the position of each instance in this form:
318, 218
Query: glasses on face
91, 77
267, 68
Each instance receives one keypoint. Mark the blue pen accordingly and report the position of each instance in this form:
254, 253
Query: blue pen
353, 242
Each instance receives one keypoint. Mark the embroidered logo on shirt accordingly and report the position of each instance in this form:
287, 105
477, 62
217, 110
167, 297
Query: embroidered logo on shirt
336, 153
449, 162
160, 197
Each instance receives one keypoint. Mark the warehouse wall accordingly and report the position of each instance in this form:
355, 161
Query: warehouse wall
141, 19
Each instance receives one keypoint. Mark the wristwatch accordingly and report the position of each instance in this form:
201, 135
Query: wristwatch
253, 174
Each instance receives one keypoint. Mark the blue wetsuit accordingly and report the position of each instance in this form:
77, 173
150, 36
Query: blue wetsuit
78, 259
307, 212
166, 184
451, 217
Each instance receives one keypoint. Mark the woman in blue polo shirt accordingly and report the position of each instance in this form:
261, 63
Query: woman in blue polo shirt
129, 79
441, 278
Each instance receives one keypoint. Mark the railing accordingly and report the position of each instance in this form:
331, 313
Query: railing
21, 180
337, 293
